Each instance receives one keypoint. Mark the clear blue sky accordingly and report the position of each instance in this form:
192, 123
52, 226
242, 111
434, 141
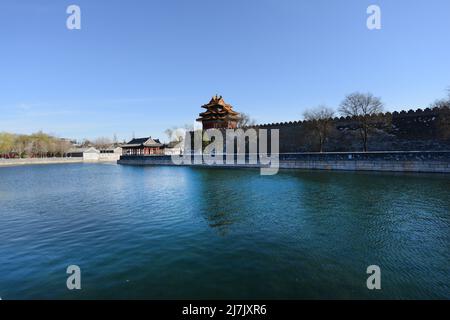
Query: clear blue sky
144, 66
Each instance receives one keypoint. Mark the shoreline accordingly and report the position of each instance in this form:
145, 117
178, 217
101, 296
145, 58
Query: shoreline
43, 161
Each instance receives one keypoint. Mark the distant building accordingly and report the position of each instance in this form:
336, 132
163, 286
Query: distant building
111, 149
88, 154
93, 154
143, 146
111, 153
173, 148
218, 114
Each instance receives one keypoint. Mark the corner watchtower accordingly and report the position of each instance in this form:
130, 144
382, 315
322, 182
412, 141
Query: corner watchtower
218, 115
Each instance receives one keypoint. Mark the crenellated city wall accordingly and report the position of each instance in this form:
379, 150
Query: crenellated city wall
419, 130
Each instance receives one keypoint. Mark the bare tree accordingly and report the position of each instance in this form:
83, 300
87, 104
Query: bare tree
62, 146
28, 149
363, 107
177, 134
20, 144
86, 143
7, 141
169, 133
320, 119
443, 120
245, 121
102, 142
442, 103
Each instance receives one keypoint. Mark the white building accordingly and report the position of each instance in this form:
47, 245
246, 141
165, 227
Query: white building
174, 148
91, 154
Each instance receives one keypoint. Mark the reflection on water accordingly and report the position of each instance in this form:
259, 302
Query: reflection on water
177, 232
221, 221
220, 204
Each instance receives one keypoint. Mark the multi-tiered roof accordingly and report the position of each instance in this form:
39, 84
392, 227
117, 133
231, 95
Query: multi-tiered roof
218, 114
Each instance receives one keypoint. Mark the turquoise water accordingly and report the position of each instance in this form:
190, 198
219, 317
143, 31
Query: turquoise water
178, 232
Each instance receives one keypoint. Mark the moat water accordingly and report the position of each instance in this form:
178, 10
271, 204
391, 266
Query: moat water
178, 232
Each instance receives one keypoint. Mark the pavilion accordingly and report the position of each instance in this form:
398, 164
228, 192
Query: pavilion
143, 146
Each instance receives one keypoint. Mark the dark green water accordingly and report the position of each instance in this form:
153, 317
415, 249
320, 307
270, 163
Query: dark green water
177, 232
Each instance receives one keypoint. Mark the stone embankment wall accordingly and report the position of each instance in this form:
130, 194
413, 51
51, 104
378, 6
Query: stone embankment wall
421, 161
109, 157
26, 161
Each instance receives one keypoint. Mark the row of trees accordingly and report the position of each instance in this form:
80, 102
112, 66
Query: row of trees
101, 142
35, 145
41, 145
